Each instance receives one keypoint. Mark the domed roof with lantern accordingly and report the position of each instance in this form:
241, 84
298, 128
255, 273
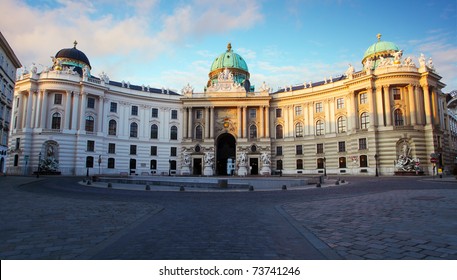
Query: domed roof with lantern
71, 57
380, 49
234, 63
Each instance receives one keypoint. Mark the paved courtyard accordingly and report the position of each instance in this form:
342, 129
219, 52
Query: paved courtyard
368, 218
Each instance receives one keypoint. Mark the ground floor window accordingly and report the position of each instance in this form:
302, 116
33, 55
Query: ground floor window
111, 162
342, 162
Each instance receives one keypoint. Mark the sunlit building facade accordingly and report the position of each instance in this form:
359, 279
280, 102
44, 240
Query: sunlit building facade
390, 116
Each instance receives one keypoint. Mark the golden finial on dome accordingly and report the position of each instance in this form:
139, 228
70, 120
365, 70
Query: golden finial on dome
229, 47
75, 43
379, 36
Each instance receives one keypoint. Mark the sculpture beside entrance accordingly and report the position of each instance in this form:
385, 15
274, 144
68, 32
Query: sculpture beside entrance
209, 162
265, 158
242, 163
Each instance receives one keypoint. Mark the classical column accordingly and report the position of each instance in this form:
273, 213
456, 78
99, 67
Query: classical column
184, 123
206, 122
434, 95
28, 116
262, 121
36, 122
105, 121
427, 105
100, 114
412, 105
379, 108
267, 123
211, 125
350, 110
370, 93
419, 104
122, 120
290, 124
388, 106
306, 119
82, 112
74, 111
332, 115
245, 133
327, 116
189, 123
44, 110
67, 109
239, 121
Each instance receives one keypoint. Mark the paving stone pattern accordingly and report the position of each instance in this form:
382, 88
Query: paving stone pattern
401, 224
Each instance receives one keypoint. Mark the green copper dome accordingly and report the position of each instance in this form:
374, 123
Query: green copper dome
234, 63
229, 59
380, 48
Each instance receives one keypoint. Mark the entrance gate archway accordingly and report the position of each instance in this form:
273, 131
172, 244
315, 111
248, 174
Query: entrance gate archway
225, 149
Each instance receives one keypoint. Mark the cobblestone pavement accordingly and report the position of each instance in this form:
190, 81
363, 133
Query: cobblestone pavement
385, 218
400, 224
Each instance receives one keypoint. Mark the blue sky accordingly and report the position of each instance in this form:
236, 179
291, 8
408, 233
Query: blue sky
172, 43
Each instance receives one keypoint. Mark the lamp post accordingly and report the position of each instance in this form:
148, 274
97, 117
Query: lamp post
376, 164
39, 163
325, 167
169, 167
99, 162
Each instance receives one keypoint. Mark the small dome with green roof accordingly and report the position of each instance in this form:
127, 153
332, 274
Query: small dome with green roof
231, 61
380, 49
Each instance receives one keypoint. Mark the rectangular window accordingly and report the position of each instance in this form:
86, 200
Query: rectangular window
113, 107
90, 145
279, 113
91, 102
155, 113
173, 151
134, 110
279, 150
153, 150
299, 164
320, 148
111, 162
133, 149
340, 103
396, 94
18, 143
362, 143
298, 149
58, 98
111, 148
341, 146
252, 113
199, 114
174, 114
363, 98
318, 107
298, 111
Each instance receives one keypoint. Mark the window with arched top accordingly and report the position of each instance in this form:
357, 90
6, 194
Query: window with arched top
319, 127
154, 131
112, 127
90, 124
341, 123
199, 132
134, 130
398, 117
364, 120
279, 133
253, 131
174, 133
56, 120
299, 130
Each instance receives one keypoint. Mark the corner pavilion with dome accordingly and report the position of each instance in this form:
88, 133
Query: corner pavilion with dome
387, 117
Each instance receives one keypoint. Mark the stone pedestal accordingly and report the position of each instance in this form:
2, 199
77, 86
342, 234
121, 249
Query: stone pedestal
266, 170
242, 171
208, 171
185, 170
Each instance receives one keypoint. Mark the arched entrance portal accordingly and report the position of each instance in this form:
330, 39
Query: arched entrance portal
225, 149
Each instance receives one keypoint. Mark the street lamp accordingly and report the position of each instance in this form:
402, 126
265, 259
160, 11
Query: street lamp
39, 163
325, 167
99, 162
169, 167
376, 163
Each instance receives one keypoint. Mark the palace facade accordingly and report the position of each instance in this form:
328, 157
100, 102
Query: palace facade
391, 116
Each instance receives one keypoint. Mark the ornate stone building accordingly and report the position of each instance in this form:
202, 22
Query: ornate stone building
390, 116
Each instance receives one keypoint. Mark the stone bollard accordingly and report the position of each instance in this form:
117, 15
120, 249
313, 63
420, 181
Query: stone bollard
181, 188
318, 185
337, 182
89, 183
223, 183
110, 185
148, 188
284, 187
251, 188
342, 181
